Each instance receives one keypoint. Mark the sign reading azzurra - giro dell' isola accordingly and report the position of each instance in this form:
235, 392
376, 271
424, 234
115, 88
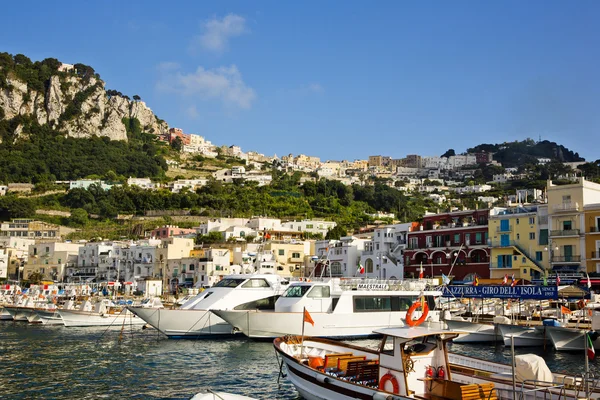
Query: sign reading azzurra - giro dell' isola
503, 292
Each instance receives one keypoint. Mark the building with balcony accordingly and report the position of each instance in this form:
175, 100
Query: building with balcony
51, 260
168, 231
454, 244
29, 228
212, 265
567, 224
518, 246
591, 225
382, 256
94, 261
342, 256
288, 256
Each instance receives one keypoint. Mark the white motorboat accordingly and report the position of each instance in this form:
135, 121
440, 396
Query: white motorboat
104, 314
411, 363
476, 332
523, 336
349, 308
568, 339
52, 317
194, 319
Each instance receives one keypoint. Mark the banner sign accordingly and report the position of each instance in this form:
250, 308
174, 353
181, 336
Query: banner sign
529, 292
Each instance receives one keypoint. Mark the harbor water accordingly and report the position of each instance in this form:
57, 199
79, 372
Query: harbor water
54, 362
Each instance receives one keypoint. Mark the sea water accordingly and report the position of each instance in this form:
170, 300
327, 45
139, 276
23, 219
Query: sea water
55, 362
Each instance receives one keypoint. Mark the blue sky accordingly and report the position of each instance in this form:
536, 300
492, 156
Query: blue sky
338, 80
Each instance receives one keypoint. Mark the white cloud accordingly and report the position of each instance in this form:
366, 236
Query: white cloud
192, 112
315, 88
223, 83
217, 33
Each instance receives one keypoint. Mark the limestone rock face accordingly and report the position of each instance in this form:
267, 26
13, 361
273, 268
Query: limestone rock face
90, 110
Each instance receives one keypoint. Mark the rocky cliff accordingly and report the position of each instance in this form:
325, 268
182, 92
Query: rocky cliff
79, 106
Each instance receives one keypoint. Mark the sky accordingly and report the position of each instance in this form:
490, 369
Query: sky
340, 80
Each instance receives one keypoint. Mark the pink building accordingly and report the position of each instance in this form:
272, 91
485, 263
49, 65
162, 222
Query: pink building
168, 231
178, 133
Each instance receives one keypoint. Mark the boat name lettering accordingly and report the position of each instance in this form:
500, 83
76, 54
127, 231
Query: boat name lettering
502, 292
373, 286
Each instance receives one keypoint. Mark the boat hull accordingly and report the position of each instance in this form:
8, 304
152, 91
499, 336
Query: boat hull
5, 315
73, 318
21, 314
184, 324
477, 333
522, 336
568, 339
49, 317
269, 324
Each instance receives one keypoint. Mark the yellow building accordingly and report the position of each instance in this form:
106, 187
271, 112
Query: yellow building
517, 243
592, 237
566, 220
289, 256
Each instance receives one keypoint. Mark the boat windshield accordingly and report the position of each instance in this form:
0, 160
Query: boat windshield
229, 282
296, 291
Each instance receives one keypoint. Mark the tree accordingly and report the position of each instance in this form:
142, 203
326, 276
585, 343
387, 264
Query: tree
449, 153
177, 144
336, 233
35, 278
136, 97
79, 217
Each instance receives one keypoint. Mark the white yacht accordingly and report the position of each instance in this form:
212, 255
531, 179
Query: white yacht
194, 319
339, 308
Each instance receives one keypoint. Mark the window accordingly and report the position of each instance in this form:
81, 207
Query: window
296, 291
566, 198
256, 283
531, 235
191, 267
48, 250
538, 256
229, 282
369, 265
456, 238
518, 236
295, 255
517, 221
567, 225
319, 292
531, 220
478, 238
281, 252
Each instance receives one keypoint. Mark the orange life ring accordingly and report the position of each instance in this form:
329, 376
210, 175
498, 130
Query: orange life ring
581, 304
416, 322
389, 378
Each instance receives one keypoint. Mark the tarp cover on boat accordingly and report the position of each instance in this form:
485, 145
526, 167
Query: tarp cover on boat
530, 367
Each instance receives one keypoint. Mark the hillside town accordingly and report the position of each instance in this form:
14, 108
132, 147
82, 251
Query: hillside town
554, 238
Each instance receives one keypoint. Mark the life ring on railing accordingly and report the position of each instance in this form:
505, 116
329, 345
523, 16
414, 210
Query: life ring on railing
416, 322
389, 378
581, 304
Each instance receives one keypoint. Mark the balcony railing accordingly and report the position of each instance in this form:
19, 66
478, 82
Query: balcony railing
566, 207
495, 265
506, 229
566, 232
566, 259
595, 254
594, 229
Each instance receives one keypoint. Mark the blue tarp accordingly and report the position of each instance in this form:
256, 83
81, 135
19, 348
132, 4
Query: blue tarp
502, 292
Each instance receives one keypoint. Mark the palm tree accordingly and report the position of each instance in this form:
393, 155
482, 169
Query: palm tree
35, 278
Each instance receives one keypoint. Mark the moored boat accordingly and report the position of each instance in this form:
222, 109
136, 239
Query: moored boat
194, 319
338, 308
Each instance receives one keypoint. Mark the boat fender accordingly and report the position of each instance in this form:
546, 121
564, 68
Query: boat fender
322, 378
389, 377
415, 305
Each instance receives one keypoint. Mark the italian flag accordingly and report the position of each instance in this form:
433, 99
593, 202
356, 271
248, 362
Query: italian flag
590, 347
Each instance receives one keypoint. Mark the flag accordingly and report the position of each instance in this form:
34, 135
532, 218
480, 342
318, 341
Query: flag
590, 346
505, 280
565, 310
557, 280
445, 280
421, 272
476, 281
589, 283
308, 318
514, 282
361, 269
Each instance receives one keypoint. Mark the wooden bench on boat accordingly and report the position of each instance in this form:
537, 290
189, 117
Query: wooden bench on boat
331, 360
443, 389
355, 368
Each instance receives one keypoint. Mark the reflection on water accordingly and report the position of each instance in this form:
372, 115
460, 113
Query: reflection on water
90, 363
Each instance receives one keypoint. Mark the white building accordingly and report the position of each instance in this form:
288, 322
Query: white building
191, 184
3, 190
213, 266
311, 226
144, 183
383, 255
4, 260
51, 260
